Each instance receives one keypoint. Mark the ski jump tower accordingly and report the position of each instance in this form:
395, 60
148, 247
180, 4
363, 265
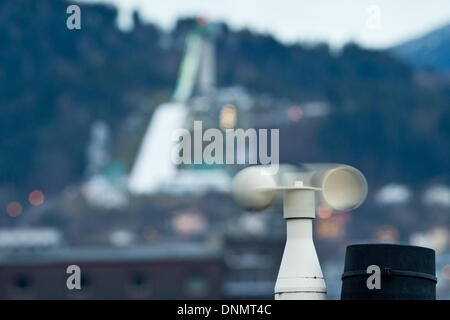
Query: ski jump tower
153, 168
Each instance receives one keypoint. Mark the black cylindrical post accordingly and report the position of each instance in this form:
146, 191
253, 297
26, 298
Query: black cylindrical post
388, 272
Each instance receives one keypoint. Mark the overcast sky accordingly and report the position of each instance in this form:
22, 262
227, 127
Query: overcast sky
379, 23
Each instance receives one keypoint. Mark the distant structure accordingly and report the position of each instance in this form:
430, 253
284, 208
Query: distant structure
153, 166
169, 271
98, 148
23, 239
197, 73
153, 170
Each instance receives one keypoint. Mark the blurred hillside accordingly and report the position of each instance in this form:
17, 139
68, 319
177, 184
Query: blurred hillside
428, 51
390, 121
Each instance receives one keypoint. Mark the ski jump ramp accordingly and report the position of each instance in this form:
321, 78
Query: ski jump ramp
153, 166
153, 169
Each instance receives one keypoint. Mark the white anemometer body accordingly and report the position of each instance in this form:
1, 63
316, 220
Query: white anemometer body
341, 187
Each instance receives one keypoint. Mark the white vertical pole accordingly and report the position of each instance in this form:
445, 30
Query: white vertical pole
300, 276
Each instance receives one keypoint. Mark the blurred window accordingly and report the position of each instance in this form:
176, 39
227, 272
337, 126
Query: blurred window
138, 285
196, 284
23, 282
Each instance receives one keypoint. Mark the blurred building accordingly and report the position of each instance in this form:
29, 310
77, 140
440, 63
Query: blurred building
251, 266
242, 267
165, 271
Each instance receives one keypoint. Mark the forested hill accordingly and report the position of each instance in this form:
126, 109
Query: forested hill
431, 50
55, 82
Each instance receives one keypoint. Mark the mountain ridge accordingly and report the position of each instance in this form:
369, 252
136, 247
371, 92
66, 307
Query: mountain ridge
431, 50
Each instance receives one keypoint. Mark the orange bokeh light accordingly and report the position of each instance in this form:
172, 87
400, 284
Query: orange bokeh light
202, 21
387, 234
14, 209
36, 197
324, 211
328, 229
446, 272
294, 113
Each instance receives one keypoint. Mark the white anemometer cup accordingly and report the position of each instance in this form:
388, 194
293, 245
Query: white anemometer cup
342, 187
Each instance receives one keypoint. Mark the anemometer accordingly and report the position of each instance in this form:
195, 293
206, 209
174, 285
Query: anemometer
342, 187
